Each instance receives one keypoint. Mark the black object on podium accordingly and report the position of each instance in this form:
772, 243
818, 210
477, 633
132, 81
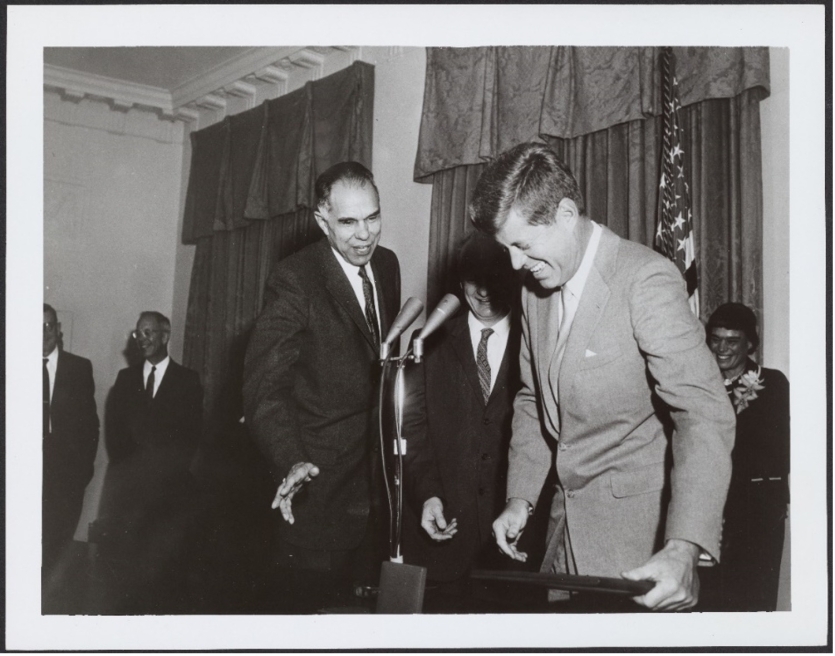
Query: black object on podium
570, 582
401, 589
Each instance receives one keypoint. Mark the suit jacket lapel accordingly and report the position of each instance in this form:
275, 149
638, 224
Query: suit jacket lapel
337, 284
510, 353
463, 347
386, 312
592, 303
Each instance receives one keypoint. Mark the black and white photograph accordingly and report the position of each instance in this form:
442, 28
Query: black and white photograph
417, 327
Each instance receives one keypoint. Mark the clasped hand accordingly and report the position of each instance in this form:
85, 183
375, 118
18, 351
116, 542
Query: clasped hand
300, 473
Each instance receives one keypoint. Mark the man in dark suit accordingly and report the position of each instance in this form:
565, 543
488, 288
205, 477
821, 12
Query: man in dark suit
310, 385
456, 463
153, 428
70, 438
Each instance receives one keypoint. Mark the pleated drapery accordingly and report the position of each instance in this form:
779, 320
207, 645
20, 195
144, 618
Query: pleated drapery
249, 204
599, 109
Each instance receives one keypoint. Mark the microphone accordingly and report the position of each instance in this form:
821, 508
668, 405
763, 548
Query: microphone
408, 313
444, 310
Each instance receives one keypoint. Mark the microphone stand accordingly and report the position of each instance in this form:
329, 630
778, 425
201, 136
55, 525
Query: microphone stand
402, 586
393, 475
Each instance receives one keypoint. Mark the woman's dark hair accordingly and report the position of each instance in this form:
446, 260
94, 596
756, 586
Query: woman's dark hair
735, 316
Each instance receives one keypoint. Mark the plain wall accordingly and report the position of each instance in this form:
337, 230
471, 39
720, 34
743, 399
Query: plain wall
111, 191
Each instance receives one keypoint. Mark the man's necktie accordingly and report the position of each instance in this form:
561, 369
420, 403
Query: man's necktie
149, 386
370, 310
483, 364
45, 397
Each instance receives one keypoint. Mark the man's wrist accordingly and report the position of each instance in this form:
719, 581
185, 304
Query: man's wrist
517, 504
684, 547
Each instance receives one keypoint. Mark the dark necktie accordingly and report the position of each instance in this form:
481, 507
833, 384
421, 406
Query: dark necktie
46, 428
483, 364
370, 311
149, 387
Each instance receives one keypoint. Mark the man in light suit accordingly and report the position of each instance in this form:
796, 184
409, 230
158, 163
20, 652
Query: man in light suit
310, 391
456, 461
617, 386
70, 439
152, 431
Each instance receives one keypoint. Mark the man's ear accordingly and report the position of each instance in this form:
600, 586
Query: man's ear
321, 221
165, 337
567, 211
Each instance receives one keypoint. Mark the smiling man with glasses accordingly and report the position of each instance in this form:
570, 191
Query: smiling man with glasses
152, 432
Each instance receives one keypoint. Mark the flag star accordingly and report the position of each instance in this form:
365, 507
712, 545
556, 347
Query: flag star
681, 244
663, 181
677, 151
679, 220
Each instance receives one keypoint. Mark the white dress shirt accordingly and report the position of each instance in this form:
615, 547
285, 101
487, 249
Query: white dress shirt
52, 368
158, 374
573, 289
496, 344
353, 273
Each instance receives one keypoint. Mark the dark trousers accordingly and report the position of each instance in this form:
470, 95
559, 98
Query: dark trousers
307, 581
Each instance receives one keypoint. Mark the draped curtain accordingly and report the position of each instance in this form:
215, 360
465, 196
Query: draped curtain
599, 108
249, 204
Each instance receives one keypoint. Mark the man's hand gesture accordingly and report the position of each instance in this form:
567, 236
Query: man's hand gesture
300, 473
508, 528
433, 521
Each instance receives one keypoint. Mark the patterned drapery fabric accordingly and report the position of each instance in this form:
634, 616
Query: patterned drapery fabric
249, 204
481, 101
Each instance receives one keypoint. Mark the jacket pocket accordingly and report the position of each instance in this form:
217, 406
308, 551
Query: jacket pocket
638, 481
599, 359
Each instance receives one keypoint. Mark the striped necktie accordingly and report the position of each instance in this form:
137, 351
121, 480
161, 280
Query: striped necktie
46, 426
483, 364
149, 386
370, 310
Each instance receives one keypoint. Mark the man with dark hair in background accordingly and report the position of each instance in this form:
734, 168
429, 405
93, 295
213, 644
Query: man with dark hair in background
456, 460
70, 439
152, 431
618, 389
310, 381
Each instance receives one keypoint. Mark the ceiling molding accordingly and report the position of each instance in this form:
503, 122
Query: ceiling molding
123, 95
230, 71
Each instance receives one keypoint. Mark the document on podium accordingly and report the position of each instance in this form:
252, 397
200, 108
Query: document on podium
571, 582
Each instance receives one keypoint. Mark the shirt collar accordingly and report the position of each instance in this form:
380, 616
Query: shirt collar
501, 327
52, 358
351, 270
577, 283
161, 366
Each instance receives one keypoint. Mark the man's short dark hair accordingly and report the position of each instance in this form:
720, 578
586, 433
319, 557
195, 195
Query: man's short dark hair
529, 177
51, 310
482, 261
350, 173
159, 317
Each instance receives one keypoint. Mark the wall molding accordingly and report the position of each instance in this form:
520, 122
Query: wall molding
239, 83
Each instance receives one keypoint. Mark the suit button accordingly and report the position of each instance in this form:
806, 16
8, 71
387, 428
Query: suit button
485, 456
481, 491
563, 446
570, 493
486, 421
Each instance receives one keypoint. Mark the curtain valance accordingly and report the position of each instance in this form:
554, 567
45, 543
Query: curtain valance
480, 101
262, 163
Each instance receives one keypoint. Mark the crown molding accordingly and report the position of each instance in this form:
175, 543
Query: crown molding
228, 72
123, 95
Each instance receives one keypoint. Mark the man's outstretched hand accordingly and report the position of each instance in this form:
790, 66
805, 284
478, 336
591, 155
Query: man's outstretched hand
300, 473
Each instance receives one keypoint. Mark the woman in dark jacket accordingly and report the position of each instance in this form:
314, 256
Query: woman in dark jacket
755, 512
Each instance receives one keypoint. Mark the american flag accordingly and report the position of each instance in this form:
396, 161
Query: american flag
674, 237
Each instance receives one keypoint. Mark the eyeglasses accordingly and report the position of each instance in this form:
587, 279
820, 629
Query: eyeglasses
136, 334
49, 326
